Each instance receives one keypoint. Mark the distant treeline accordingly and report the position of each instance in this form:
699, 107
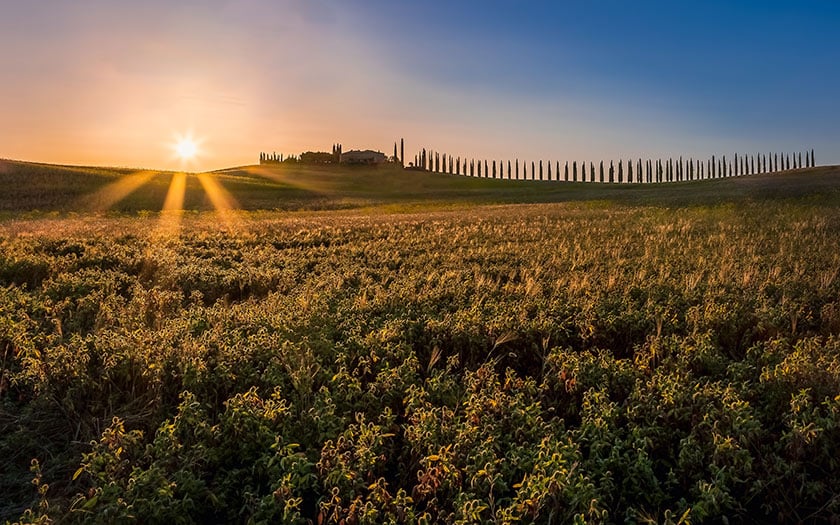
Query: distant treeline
621, 171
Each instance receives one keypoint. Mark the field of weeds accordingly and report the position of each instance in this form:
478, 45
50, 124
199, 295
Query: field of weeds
540, 363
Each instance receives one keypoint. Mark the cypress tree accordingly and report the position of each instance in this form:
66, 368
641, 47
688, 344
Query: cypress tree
402, 153
591, 171
639, 171
494, 169
630, 171
533, 171
601, 171
508, 172
541, 170
574, 171
800, 159
813, 164
548, 165
486, 169
396, 159
517, 169
566, 174
787, 162
479, 169
620, 171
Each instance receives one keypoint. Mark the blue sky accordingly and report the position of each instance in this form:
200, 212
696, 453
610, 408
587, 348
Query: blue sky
112, 82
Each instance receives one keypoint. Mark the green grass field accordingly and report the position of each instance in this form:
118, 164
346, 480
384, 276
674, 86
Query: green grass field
377, 346
49, 188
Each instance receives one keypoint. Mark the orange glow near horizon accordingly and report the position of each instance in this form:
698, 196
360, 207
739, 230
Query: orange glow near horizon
105, 198
224, 203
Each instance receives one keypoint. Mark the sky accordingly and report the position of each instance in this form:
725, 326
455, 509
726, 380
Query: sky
119, 83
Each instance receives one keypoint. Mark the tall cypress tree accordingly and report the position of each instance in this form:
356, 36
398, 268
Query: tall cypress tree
541, 170
574, 171
508, 172
517, 169
402, 153
566, 172
620, 171
548, 165
591, 171
494, 169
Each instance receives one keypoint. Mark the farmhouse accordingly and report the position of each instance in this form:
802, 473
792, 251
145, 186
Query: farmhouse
363, 157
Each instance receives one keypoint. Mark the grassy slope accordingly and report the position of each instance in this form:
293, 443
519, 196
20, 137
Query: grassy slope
43, 187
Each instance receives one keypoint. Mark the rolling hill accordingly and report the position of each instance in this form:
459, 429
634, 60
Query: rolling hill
29, 187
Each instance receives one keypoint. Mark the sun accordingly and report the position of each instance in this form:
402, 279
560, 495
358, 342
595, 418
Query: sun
186, 148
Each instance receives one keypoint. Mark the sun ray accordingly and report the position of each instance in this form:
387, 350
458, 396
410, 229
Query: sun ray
224, 203
107, 196
173, 207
